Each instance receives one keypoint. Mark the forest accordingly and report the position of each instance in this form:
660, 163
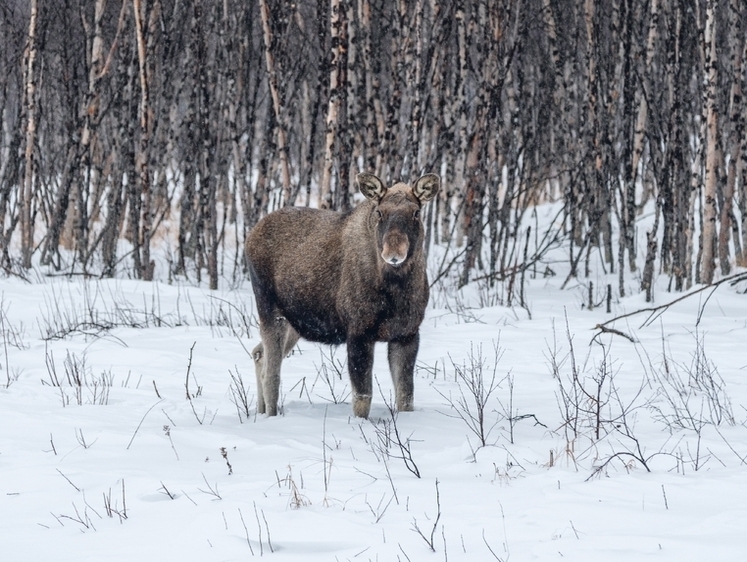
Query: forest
135, 129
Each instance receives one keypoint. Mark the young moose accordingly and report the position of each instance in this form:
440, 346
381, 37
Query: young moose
356, 278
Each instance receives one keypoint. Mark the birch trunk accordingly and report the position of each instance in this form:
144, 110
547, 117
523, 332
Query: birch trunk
417, 110
143, 172
742, 166
735, 132
276, 103
460, 111
639, 137
27, 227
708, 262
372, 104
343, 151
79, 220
333, 107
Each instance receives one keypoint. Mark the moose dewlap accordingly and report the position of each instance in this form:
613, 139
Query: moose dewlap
356, 278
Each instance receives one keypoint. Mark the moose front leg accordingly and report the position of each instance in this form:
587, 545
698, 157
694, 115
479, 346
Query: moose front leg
402, 355
360, 366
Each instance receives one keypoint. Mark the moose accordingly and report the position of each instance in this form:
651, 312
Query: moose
356, 277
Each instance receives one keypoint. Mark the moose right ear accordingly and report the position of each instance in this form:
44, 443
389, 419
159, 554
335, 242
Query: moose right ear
371, 186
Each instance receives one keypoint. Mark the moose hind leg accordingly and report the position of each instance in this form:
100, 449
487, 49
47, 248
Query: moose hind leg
402, 354
274, 337
258, 355
291, 339
360, 366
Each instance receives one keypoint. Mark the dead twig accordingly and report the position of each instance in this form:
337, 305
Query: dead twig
656, 311
605, 330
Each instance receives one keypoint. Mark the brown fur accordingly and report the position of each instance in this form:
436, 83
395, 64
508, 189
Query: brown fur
322, 276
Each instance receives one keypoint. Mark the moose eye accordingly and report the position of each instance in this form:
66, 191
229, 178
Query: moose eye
416, 214
379, 216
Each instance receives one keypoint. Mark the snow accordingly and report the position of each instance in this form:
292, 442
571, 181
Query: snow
146, 474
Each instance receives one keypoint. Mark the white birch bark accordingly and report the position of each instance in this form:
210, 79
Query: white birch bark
639, 133
736, 128
27, 229
708, 259
333, 107
144, 111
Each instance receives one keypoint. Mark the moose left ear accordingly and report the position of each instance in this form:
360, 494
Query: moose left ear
371, 186
426, 187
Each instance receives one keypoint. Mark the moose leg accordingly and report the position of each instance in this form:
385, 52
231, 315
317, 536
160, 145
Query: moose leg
360, 366
259, 364
291, 339
402, 354
274, 337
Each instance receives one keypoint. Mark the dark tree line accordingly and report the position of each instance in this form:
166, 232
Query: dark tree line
137, 125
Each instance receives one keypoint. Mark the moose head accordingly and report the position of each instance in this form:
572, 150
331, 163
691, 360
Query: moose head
395, 216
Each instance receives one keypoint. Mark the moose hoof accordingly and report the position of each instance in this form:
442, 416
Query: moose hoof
405, 405
272, 411
361, 406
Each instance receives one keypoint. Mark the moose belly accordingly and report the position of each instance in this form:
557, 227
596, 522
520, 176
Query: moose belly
315, 324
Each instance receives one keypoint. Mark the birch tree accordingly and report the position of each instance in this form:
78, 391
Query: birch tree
710, 79
336, 87
29, 55
145, 220
277, 101
735, 131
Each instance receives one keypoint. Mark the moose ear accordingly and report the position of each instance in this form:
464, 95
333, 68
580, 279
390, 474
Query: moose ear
371, 186
426, 187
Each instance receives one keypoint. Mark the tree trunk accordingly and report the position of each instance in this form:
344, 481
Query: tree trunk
337, 21
742, 166
277, 102
639, 135
368, 89
708, 263
27, 227
735, 133
343, 145
143, 152
460, 111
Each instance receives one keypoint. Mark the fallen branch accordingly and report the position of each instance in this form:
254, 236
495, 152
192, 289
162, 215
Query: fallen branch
656, 311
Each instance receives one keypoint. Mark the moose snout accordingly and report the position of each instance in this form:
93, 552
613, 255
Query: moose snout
395, 248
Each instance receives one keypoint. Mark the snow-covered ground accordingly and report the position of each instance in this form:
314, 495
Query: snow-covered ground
642, 454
